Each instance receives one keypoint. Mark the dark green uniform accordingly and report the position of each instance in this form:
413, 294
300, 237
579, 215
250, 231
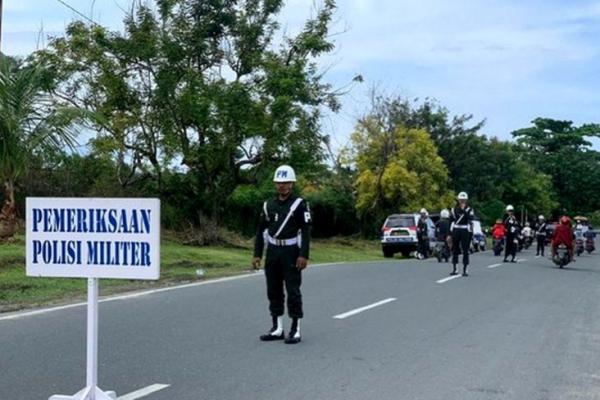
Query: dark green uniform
280, 262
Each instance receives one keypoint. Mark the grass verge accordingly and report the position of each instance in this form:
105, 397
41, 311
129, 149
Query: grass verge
178, 265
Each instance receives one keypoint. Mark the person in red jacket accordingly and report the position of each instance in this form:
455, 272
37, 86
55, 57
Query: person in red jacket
563, 234
498, 230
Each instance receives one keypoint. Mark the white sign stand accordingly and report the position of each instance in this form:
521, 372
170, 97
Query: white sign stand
93, 238
91, 391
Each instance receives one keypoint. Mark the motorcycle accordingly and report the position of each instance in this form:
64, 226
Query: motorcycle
442, 251
527, 242
498, 246
562, 257
579, 244
519, 242
479, 242
589, 245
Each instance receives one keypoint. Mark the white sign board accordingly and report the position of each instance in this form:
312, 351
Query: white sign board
93, 237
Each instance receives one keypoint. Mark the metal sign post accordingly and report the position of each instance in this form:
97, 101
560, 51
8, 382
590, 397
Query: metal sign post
91, 391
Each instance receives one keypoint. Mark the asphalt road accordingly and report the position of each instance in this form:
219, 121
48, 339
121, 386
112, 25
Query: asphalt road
515, 331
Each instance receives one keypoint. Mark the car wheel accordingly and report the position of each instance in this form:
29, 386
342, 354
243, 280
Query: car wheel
388, 253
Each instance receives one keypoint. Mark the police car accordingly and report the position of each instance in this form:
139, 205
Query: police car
399, 234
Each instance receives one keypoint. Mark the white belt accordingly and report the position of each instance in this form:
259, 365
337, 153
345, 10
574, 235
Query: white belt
462, 226
282, 242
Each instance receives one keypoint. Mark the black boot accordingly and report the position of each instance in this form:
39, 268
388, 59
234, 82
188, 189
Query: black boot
454, 272
294, 336
276, 332
465, 270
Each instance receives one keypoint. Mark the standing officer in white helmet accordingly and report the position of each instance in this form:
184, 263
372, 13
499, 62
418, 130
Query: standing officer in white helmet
285, 226
512, 234
541, 235
423, 234
462, 216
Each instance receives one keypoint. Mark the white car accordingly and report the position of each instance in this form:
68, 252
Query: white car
399, 234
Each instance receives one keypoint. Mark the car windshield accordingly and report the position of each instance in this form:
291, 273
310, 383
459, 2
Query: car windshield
400, 222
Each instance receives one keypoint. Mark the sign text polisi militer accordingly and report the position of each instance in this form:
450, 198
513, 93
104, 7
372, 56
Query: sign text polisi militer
93, 237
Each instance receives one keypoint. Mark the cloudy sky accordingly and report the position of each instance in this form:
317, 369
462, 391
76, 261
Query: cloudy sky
507, 61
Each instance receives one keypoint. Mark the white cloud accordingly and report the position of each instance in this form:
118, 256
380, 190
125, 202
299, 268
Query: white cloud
505, 60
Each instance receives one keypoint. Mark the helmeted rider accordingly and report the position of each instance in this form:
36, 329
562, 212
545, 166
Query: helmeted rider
442, 233
442, 227
498, 230
512, 233
540, 234
527, 231
563, 234
423, 233
461, 216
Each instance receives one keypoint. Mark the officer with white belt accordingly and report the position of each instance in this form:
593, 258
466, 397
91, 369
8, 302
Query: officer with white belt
462, 216
285, 226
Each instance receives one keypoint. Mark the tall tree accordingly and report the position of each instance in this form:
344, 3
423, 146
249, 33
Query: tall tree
397, 170
491, 171
30, 121
202, 83
562, 151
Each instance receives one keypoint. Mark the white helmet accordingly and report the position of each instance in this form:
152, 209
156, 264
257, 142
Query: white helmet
509, 208
285, 173
424, 211
445, 213
541, 218
463, 196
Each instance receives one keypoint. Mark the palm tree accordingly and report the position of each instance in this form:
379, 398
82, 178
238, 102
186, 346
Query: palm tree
30, 121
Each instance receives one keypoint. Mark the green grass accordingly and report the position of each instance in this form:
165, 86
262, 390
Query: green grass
178, 264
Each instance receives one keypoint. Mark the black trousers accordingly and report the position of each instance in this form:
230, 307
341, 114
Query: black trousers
424, 247
511, 247
541, 245
461, 241
280, 270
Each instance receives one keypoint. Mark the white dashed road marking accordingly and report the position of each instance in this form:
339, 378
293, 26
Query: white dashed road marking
448, 279
138, 394
365, 308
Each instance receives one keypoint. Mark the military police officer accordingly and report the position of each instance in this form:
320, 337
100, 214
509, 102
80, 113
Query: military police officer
513, 228
462, 216
285, 227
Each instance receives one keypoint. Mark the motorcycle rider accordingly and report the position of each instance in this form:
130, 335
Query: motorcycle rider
498, 230
498, 235
442, 233
462, 216
512, 232
423, 234
563, 234
540, 235
590, 237
527, 233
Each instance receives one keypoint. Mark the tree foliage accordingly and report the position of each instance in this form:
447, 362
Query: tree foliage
204, 84
31, 121
396, 171
562, 151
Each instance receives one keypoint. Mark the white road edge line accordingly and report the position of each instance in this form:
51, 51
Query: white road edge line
494, 265
448, 279
365, 308
138, 394
21, 314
